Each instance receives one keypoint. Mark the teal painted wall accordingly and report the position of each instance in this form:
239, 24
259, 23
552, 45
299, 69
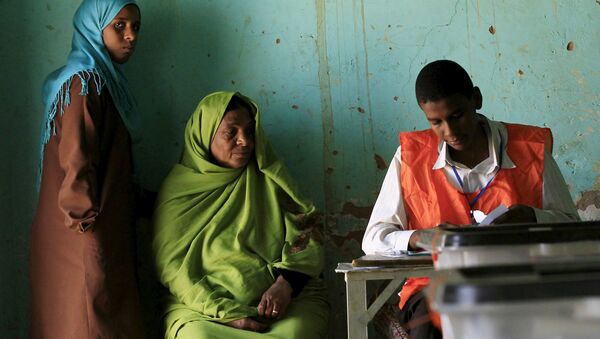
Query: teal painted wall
335, 83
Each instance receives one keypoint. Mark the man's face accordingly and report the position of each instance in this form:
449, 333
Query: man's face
453, 120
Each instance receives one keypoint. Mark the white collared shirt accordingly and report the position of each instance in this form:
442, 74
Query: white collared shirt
385, 231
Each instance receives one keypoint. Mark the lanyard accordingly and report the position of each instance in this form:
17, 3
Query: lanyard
462, 186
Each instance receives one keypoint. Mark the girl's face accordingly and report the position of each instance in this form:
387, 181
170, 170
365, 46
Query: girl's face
120, 35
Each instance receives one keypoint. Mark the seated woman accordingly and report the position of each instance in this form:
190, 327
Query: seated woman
234, 241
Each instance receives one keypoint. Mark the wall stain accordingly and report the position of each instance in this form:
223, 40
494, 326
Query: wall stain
478, 13
340, 240
588, 198
524, 49
492, 29
361, 212
265, 95
242, 43
278, 40
571, 146
570, 46
588, 206
326, 105
579, 78
596, 169
379, 161
360, 109
294, 106
367, 75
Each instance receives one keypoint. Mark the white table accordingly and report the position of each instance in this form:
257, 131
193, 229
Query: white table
359, 313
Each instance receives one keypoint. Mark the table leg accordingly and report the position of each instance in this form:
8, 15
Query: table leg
391, 287
356, 298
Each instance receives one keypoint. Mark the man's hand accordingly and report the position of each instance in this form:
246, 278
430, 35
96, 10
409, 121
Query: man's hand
412, 241
276, 299
416, 235
516, 214
247, 324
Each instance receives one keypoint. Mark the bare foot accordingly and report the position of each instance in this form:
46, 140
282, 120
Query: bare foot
247, 324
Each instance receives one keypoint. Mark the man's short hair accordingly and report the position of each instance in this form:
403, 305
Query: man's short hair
441, 79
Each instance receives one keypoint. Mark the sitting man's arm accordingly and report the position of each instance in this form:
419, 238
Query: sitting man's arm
557, 204
385, 231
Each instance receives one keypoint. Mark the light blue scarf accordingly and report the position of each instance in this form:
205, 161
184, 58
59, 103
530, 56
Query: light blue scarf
88, 59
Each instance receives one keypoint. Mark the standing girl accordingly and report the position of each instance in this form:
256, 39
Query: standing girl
82, 262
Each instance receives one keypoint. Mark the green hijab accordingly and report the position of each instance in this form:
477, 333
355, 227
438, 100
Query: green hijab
221, 233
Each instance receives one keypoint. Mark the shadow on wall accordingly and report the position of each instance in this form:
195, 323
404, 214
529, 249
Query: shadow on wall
175, 66
173, 46
19, 151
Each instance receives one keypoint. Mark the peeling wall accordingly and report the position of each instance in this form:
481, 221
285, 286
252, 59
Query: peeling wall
334, 79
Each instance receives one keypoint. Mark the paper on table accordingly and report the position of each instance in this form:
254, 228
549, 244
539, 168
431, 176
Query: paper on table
391, 253
398, 253
498, 211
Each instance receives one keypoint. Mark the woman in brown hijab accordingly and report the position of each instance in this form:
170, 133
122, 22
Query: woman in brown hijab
82, 263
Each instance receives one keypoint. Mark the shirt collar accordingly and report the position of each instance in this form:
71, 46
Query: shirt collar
496, 133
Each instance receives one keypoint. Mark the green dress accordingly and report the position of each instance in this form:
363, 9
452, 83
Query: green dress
221, 234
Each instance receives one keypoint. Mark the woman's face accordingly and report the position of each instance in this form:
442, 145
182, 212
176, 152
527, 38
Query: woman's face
120, 35
233, 143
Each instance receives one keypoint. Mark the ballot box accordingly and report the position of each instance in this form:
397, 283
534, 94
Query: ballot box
513, 244
519, 301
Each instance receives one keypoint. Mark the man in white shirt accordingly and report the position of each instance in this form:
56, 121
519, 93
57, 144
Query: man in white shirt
463, 165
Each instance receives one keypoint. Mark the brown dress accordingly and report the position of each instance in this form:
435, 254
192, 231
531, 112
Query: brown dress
82, 262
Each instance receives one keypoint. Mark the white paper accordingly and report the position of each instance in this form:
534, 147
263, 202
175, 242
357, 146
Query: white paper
498, 211
392, 253
399, 254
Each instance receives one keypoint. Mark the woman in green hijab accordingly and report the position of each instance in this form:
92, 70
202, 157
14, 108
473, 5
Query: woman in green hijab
234, 240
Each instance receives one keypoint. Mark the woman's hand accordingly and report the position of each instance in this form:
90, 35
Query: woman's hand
275, 300
247, 324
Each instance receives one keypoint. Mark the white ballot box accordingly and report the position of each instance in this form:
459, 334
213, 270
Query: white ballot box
513, 244
519, 302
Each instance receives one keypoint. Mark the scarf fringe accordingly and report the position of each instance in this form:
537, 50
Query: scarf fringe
62, 100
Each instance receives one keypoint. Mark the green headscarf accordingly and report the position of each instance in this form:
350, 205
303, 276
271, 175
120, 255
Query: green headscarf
220, 233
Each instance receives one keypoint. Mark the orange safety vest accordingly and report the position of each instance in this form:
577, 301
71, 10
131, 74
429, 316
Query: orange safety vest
430, 200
